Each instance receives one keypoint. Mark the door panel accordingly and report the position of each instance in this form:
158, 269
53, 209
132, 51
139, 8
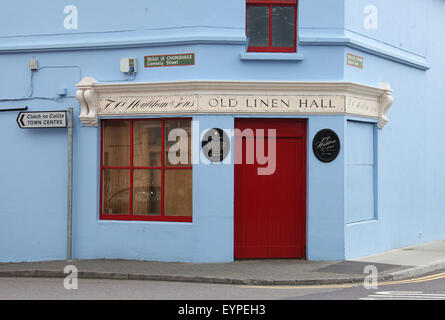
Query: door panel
270, 210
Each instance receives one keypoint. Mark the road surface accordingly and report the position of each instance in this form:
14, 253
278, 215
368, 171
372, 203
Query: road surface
429, 287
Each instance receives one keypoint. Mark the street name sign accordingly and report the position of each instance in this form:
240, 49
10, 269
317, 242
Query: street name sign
355, 61
42, 119
169, 60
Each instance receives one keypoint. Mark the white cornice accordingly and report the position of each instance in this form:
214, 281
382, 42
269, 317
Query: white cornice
355, 95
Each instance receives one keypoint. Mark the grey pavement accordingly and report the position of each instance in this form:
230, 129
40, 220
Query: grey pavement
391, 265
414, 260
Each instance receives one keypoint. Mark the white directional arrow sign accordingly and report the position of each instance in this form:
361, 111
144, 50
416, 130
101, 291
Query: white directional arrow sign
42, 119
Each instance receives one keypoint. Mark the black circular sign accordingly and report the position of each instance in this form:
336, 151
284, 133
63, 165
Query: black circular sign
326, 145
215, 145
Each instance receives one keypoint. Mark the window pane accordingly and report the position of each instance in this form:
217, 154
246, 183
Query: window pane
178, 151
178, 192
147, 143
283, 26
258, 26
116, 191
116, 143
147, 192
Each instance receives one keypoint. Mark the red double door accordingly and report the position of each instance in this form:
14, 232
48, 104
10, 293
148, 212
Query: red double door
270, 209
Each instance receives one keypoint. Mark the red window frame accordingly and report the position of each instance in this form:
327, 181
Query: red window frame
132, 168
270, 4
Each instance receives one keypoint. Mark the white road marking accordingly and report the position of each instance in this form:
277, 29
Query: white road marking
404, 295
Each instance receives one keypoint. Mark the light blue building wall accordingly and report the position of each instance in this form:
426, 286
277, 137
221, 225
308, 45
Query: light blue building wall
409, 207
383, 191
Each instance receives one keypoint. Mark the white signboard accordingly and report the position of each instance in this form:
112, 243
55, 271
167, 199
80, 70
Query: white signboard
221, 104
42, 119
232, 97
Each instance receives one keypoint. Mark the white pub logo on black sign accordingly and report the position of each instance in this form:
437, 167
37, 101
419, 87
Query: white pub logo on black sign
326, 145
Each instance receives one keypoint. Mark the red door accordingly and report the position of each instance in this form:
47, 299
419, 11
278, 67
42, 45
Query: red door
270, 210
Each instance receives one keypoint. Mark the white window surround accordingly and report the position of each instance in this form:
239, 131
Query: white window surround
231, 97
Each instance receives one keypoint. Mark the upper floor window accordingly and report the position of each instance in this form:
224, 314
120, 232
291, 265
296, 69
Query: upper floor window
271, 25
